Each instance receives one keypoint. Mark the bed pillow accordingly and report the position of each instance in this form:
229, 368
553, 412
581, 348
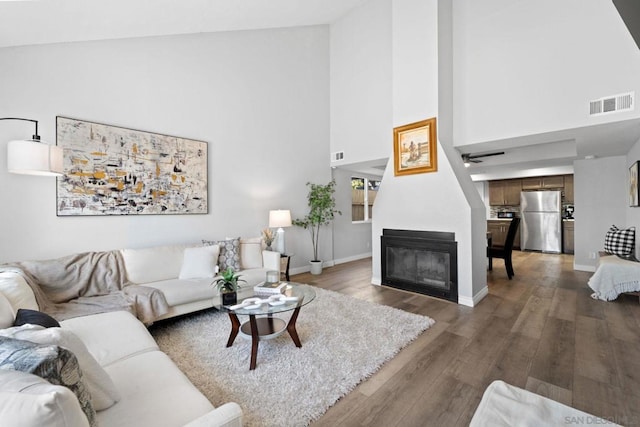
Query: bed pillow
34, 317
55, 364
620, 242
102, 389
229, 252
28, 400
200, 262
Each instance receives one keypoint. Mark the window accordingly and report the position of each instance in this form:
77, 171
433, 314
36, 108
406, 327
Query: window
363, 194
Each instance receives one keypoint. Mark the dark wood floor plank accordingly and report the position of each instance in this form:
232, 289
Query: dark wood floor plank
563, 304
554, 360
513, 362
594, 355
533, 317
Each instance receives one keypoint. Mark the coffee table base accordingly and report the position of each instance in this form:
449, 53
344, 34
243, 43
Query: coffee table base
265, 328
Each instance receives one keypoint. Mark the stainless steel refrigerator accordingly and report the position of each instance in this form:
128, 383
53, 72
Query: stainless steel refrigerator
541, 221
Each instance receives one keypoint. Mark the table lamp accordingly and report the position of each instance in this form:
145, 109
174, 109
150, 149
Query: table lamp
278, 219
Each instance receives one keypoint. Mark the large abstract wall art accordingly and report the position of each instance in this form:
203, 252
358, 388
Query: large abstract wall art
110, 170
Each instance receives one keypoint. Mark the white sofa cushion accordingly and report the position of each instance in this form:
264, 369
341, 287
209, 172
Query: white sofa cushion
27, 400
7, 313
200, 262
183, 291
16, 290
153, 264
154, 393
111, 336
103, 392
251, 253
253, 276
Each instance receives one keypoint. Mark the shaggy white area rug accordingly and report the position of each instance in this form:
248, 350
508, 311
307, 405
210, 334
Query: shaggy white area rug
344, 340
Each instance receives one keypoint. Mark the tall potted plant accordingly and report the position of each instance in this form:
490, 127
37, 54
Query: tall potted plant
322, 210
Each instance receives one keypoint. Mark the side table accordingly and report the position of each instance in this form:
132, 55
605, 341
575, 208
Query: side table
285, 261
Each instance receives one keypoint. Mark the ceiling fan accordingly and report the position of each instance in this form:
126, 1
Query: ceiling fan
473, 158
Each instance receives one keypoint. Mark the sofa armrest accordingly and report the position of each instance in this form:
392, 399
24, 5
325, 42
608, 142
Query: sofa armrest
227, 415
271, 260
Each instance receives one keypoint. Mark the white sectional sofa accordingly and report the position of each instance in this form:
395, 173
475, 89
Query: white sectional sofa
151, 390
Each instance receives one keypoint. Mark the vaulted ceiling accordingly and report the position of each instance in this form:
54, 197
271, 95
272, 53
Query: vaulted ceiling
54, 21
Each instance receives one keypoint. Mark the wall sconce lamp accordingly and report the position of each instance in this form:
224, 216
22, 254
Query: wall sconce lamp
32, 156
279, 219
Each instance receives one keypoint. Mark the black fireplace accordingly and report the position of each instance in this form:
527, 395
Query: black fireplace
420, 261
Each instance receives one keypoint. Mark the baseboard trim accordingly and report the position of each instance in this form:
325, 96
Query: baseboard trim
580, 267
307, 268
475, 300
352, 258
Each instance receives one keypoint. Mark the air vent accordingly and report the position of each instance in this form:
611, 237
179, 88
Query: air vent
612, 104
337, 156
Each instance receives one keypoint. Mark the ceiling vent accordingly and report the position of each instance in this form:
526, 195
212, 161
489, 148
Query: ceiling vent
612, 104
337, 156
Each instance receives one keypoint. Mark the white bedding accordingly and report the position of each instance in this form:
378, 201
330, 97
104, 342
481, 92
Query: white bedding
614, 276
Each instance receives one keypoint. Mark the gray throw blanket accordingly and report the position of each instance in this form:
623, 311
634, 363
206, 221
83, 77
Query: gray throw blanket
88, 283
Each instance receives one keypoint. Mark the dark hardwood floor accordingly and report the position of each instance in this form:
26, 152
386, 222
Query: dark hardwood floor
540, 331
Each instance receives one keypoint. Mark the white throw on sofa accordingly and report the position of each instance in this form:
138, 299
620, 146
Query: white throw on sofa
148, 389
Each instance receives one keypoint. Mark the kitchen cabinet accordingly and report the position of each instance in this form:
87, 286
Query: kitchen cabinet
567, 237
505, 192
568, 189
543, 182
499, 229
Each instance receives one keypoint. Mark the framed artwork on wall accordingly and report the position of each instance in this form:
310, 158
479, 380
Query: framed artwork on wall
111, 170
414, 148
633, 185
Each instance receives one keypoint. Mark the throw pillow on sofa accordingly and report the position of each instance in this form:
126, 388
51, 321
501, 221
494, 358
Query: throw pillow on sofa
620, 242
35, 317
229, 252
102, 389
200, 262
251, 253
53, 363
31, 401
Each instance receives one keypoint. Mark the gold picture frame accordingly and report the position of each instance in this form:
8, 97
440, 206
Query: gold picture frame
414, 148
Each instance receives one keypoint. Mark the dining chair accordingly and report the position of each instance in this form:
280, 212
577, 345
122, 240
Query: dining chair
504, 252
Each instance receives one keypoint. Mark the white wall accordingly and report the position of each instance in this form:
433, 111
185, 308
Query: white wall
350, 240
601, 200
361, 83
259, 98
532, 66
633, 213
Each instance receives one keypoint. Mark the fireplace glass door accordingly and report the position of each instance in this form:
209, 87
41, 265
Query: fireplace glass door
425, 267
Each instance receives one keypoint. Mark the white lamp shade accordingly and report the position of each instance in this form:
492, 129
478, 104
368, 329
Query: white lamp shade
34, 158
279, 218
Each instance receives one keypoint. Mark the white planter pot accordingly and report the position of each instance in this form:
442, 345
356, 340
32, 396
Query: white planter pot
316, 267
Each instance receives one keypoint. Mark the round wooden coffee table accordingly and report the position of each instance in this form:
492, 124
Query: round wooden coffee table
267, 326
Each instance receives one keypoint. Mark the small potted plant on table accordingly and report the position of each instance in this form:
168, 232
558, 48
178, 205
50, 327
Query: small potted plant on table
228, 284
